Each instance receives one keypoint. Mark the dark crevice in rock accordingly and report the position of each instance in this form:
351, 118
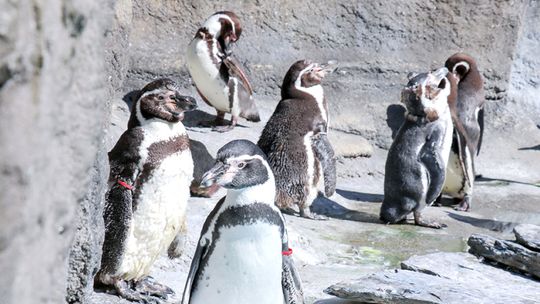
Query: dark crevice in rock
5, 75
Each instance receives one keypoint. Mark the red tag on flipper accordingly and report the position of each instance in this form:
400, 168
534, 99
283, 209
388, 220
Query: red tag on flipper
125, 185
287, 252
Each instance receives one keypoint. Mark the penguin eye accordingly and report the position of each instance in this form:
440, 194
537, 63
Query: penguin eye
241, 165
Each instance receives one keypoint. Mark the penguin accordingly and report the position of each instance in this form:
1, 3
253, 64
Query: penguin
218, 77
418, 157
151, 169
468, 117
296, 142
243, 255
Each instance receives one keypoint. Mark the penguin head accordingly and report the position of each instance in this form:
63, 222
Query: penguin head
460, 64
302, 76
426, 94
160, 99
225, 27
239, 164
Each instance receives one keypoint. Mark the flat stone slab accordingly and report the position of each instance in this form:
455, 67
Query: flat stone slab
469, 270
441, 278
350, 145
506, 252
528, 235
404, 286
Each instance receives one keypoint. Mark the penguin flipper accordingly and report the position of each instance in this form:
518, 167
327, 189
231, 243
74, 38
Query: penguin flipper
199, 254
326, 156
481, 124
464, 158
434, 164
193, 271
118, 209
235, 70
290, 280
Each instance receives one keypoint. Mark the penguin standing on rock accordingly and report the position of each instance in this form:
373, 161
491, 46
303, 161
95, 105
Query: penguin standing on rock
150, 173
243, 255
217, 75
468, 116
417, 160
295, 140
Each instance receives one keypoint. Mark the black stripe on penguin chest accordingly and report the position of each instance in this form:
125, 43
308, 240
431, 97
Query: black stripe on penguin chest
157, 152
240, 216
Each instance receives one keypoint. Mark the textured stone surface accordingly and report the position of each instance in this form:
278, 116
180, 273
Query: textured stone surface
528, 235
506, 252
403, 286
66, 64
376, 43
441, 278
54, 110
505, 286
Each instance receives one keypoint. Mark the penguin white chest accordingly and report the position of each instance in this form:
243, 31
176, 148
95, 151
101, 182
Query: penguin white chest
245, 266
312, 169
454, 180
205, 74
160, 209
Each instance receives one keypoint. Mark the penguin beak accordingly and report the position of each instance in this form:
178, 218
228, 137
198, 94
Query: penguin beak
440, 73
320, 72
186, 103
220, 174
329, 67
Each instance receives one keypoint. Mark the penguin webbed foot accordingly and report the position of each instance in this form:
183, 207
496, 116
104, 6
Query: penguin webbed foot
464, 204
126, 291
225, 128
150, 287
306, 213
288, 211
420, 221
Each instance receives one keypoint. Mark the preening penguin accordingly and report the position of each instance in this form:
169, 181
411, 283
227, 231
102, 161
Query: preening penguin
295, 139
417, 160
468, 117
243, 255
145, 205
217, 75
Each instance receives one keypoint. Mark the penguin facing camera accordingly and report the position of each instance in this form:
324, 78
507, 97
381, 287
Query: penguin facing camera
243, 255
150, 173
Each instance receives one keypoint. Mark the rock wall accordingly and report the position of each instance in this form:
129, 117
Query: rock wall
54, 111
376, 43
65, 65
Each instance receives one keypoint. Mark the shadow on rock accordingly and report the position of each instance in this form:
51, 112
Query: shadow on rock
335, 301
501, 181
197, 119
537, 147
131, 97
324, 206
360, 196
492, 225
395, 115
